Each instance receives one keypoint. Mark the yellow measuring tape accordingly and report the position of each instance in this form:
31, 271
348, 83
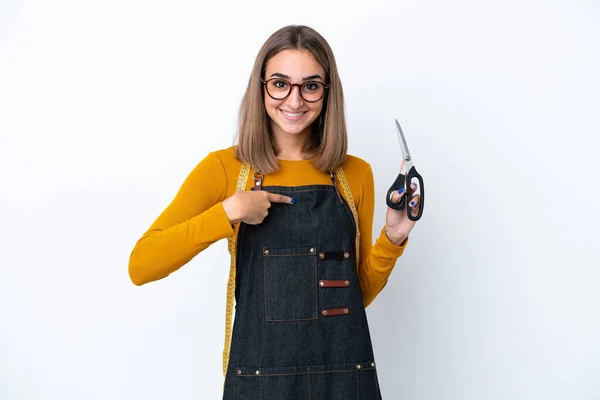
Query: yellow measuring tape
232, 242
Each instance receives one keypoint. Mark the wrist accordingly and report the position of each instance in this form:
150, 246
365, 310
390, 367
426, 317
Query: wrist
397, 239
230, 211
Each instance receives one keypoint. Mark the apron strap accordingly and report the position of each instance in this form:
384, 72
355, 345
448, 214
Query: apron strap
232, 242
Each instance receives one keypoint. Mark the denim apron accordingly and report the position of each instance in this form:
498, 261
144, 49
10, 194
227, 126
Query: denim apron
300, 328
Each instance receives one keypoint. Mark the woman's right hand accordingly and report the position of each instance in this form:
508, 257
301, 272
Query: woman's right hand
252, 207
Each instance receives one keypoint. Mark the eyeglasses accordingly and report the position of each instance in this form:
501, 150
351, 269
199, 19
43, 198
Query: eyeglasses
310, 91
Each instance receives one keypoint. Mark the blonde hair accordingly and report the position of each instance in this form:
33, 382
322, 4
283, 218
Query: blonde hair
329, 139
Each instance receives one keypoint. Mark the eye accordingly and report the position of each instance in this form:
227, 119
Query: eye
279, 84
311, 86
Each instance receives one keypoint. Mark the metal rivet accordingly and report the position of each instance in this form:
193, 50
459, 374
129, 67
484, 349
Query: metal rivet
257, 183
312, 249
346, 254
346, 311
357, 366
321, 283
239, 371
347, 283
266, 252
321, 255
324, 312
372, 364
257, 372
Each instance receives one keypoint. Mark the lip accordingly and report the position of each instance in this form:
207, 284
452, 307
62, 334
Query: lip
295, 118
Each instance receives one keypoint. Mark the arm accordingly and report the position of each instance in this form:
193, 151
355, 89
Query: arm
378, 260
193, 221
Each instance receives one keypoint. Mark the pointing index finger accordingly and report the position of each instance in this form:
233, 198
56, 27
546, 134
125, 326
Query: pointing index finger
279, 198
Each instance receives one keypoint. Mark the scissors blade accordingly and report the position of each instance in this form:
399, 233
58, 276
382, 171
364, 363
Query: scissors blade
403, 145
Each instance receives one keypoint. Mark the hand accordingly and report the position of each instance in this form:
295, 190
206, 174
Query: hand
252, 207
397, 224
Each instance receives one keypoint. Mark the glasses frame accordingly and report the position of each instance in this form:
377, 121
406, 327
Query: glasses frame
265, 82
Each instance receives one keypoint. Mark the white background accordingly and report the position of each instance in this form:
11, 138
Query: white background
106, 106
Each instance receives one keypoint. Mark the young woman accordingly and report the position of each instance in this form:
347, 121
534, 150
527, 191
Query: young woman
298, 214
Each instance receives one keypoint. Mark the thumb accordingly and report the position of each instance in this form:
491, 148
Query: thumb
396, 197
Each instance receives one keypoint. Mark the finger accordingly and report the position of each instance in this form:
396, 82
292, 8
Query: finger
396, 197
416, 201
279, 198
416, 210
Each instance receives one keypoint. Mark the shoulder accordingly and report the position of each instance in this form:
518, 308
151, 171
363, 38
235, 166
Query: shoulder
226, 156
224, 159
355, 168
218, 164
230, 166
360, 179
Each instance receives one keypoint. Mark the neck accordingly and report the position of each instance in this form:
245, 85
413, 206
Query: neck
292, 146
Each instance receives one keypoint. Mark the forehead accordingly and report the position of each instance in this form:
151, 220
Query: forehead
297, 64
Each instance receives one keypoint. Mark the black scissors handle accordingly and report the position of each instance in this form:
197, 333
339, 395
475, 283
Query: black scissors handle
400, 183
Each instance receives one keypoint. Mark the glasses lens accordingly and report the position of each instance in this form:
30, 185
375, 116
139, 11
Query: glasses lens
312, 91
278, 88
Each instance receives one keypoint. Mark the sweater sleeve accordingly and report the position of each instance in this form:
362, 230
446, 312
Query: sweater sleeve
193, 220
376, 260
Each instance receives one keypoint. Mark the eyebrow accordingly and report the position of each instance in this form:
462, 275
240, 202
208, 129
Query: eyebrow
280, 75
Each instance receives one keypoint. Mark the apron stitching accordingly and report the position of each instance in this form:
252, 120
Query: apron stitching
376, 385
292, 320
265, 286
237, 381
324, 188
265, 290
308, 383
357, 388
287, 255
316, 290
308, 372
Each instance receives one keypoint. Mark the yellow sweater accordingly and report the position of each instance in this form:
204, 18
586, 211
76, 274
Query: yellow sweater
195, 219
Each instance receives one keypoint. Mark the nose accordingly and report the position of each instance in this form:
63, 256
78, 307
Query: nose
294, 99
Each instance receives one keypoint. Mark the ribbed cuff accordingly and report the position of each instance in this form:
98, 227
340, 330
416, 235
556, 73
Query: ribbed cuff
390, 248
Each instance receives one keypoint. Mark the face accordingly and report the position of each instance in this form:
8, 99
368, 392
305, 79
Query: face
293, 115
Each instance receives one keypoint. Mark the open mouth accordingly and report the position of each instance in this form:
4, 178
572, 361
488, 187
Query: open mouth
293, 116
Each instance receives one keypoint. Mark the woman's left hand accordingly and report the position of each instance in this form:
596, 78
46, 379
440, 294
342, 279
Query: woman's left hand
397, 224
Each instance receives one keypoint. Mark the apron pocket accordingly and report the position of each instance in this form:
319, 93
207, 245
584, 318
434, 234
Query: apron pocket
333, 385
288, 387
248, 385
344, 382
366, 384
290, 284
320, 382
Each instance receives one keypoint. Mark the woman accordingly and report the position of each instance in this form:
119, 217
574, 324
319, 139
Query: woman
298, 213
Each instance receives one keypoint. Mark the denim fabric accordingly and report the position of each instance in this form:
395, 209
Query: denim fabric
282, 346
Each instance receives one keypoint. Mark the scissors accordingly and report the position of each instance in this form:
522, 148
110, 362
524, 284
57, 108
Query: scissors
403, 177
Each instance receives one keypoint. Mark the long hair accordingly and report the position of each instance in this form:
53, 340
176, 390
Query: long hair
329, 137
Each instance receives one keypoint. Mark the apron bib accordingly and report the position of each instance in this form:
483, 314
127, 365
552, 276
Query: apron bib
300, 329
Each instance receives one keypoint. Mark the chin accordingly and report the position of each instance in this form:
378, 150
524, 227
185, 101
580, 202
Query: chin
293, 130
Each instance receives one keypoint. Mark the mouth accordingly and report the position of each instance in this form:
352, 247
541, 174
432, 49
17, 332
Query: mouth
293, 116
